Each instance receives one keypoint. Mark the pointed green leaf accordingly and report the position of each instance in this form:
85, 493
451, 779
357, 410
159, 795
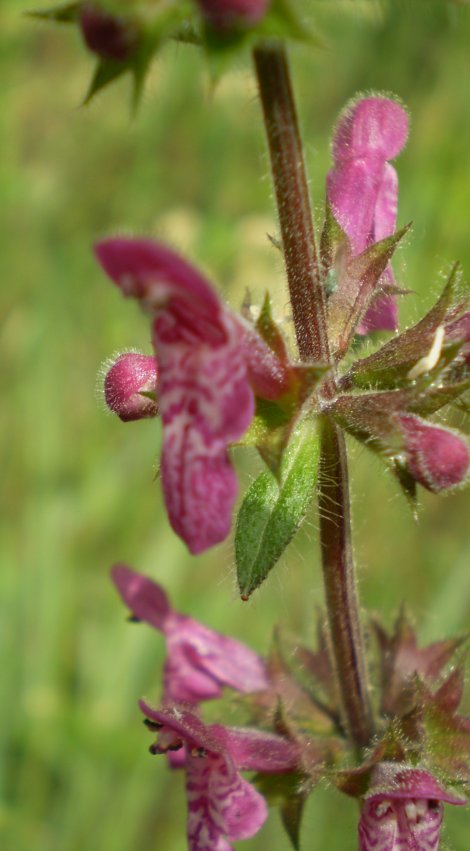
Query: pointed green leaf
105, 73
393, 361
291, 815
272, 512
64, 14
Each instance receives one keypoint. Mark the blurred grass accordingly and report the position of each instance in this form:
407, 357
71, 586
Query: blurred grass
78, 487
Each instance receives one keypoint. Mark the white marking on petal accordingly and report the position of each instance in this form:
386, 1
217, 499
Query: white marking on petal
429, 361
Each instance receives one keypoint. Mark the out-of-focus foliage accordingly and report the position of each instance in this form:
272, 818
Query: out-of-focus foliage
78, 489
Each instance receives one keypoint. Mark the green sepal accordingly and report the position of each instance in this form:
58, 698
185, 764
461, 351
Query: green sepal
357, 287
289, 793
334, 242
269, 432
222, 49
390, 748
446, 736
273, 511
153, 31
281, 22
392, 362
284, 22
67, 13
106, 72
269, 331
406, 483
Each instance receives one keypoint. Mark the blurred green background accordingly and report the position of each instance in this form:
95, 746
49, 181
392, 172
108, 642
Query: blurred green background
79, 490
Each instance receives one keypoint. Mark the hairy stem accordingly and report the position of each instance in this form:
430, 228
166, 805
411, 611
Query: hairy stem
293, 203
309, 312
340, 585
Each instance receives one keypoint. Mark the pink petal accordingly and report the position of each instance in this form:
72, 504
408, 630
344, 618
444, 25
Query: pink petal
268, 376
255, 750
183, 681
206, 403
403, 810
227, 661
130, 375
145, 599
362, 188
396, 780
383, 313
392, 825
222, 806
437, 457
352, 189
385, 215
200, 660
205, 398
368, 127
153, 273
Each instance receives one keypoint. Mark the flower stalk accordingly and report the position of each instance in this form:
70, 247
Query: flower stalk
293, 203
308, 301
340, 584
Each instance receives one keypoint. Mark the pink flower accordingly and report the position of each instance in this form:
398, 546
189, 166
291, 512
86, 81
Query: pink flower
222, 806
362, 188
438, 458
403, 810
130, 376
200, 661
208, 366
223, 14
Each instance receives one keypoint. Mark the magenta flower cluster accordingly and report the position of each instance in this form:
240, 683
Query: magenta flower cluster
222, 805
210, 375
210, 365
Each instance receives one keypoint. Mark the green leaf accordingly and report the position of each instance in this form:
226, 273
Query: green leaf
105, 73
272, 512
64, 14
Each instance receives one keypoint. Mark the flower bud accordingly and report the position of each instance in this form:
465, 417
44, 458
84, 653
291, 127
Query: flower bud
223, 14
109, 36
130, 376
437, 457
